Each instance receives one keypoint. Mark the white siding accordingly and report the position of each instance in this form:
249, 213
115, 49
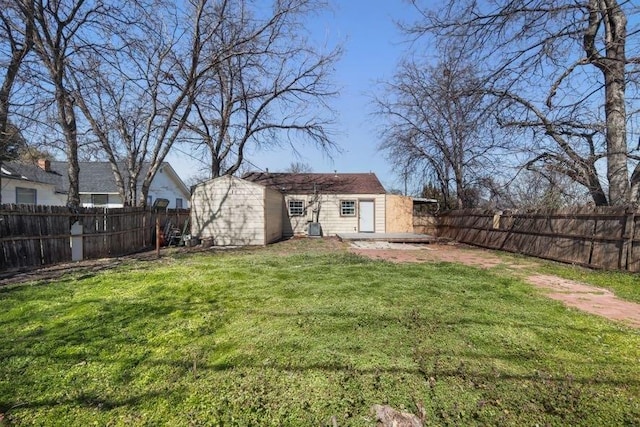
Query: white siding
45, 193
164, 186
328, 214
231, 211
114, 201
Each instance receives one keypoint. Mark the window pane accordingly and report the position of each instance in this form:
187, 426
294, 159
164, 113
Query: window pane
178, 203
100, 199
296, 207
26, 196
347, 207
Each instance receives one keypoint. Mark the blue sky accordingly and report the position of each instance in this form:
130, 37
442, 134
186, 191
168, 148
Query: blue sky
372, 46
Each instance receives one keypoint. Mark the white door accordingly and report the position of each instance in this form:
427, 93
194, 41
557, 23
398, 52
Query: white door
366, 212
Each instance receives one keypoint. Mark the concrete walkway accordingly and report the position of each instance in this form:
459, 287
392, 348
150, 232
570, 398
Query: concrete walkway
388, 237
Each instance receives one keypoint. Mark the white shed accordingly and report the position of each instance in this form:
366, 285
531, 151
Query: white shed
232, 211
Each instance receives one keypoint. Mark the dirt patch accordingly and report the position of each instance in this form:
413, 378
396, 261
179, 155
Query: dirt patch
56, 271
431, 253
591, 299
588, 298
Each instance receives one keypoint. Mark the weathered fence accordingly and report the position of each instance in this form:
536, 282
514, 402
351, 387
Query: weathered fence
607, 238
40, 235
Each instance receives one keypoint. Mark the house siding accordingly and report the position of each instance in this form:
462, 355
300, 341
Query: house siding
164, 186
114, 201
327, 211
232, 211
45, 193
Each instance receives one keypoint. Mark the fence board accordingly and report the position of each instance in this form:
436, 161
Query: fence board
602, 237
40, 235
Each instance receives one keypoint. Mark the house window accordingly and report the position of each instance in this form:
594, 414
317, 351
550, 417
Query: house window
26, 196
296, 207
347, 208
149, 200
178, 203
99, 199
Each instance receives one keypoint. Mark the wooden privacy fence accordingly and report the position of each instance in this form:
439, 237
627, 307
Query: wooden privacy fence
40, 235
607, 238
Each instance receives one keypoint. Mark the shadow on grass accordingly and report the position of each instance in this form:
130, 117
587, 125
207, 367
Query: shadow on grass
84, 399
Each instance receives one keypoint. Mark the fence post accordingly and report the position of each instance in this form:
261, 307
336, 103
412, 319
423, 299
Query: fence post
77, 249
627, 236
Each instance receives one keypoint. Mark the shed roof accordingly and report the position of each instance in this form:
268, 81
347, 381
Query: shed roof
308, 183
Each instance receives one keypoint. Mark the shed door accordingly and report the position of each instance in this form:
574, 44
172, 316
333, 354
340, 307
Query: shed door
366, 210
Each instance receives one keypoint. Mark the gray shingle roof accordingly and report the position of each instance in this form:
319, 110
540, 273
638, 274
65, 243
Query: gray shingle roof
95, 177
33, 172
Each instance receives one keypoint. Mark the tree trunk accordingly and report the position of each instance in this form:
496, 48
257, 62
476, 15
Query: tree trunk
67, 119
617, 170
608, 16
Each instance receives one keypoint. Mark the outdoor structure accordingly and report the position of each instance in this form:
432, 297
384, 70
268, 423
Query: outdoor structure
46, 183
232, 211
327, 203
263, 207
399, 218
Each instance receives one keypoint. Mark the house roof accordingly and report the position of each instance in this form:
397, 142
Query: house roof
94, 177
308, 183
32, 172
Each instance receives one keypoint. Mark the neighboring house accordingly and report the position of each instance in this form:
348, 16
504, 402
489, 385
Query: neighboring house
310, 203
97, 184
31, 184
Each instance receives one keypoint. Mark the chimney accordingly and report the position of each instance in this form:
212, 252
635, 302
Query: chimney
44, 164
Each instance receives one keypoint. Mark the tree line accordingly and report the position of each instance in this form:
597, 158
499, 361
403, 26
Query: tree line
126, 81
518, 102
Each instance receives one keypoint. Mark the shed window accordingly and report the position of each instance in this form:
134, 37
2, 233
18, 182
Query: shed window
296, 207
347, 208
26, 196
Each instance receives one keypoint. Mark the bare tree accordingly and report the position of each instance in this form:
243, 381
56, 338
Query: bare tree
299, 167
16, 41
533, 190
577, 148
202, 67
63, 31
559, 57
137, 102
437, 122
272, 86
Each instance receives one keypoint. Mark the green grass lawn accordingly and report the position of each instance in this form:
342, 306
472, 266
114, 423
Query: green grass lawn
260, 337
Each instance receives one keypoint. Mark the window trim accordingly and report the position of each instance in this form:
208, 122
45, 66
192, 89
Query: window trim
34, 191
342, 208
301, 207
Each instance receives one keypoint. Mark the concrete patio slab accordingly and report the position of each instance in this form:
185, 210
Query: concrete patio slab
388, 237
